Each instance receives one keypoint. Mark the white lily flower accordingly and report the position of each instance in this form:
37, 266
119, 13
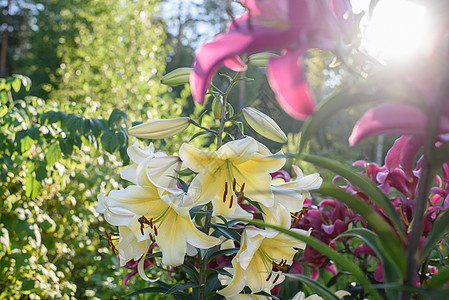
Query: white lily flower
301, 296
292, 194
262, 258
239, 168
144, 216
151, 168
226, 280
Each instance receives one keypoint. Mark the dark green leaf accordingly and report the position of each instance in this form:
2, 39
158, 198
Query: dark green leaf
222, 252
391, 272
180, 287
439, 230
185, 172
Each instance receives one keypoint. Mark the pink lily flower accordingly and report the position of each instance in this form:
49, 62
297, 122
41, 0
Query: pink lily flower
289, 25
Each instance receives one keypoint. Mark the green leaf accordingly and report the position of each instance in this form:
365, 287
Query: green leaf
53, 154
153, 289
203, 132
32, 186
227, 77
222, 252
391, 271
180, 287
109, 141
337, 258
315, 285
391, 245
439, 230
116, 117
363, 183
25, 143
16, 84
185, 172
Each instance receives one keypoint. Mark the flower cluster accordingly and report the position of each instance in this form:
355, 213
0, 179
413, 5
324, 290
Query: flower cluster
156, 210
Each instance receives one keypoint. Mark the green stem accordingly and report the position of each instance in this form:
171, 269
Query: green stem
223, 114
427, 171
202, 127
203, 265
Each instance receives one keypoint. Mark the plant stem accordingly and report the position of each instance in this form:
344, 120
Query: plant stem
203, 265
223, 114
427, 171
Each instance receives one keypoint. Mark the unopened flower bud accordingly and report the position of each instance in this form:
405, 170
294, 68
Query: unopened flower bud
260, 59
159, 129
264, 125
217, 108
177, 77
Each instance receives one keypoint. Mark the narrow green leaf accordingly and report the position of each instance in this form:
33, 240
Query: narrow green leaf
320, 289
391, 272
222, 252
179, 287
336, 257
439, 230
53, 154
153, 289
185, 172
363, 183
388, 238
155, 254
203, 132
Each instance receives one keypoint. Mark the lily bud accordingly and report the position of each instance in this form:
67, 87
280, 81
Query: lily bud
177, 77
217, 108
264, 125
159, 129
260, 59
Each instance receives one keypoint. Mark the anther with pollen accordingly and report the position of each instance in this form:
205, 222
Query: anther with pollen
233, 184
298, 216
232, 199
144, 221
276, 278
240, 195
225, 192
269, 276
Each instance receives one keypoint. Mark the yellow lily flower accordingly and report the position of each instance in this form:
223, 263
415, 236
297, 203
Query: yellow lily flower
292, 194
301, 296
144, 216
151, 168
262, 258
239, 168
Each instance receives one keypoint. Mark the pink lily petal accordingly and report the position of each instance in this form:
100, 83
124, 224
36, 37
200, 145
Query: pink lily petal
403, 154
209, 58
235, 63
287, 80
389, 118
342, 10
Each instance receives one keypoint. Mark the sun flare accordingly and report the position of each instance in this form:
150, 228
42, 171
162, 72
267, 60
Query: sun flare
397, 31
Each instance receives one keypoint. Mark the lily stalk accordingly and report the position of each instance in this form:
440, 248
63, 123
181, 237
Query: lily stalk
427, 172
203, 265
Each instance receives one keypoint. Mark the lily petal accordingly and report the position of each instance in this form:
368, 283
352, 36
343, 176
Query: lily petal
287, 80
392, 118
